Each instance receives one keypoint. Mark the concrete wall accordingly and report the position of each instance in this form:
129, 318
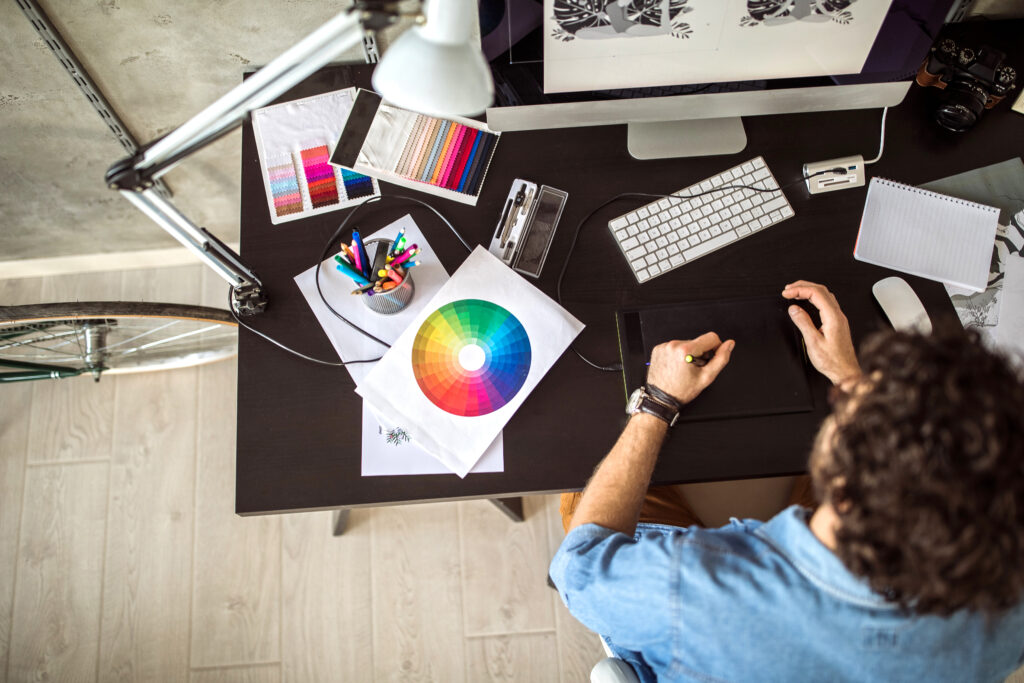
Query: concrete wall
158, 63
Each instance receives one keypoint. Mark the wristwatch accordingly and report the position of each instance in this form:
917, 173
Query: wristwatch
653, 401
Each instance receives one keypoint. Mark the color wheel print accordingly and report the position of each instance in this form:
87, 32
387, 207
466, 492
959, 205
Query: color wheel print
471, 357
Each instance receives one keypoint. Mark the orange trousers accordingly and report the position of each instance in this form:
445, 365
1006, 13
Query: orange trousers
667, 505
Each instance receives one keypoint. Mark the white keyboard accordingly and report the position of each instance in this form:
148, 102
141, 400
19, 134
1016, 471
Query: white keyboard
668, 233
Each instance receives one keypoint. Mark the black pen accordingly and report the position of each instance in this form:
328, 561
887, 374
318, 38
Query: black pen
701, 360
504, 215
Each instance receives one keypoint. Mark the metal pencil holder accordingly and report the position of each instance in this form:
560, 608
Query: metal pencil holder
393, 300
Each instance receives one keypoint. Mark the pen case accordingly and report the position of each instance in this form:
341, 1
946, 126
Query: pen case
527, 225
445, 157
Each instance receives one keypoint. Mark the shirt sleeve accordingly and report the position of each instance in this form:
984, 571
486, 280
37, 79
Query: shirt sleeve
621, 587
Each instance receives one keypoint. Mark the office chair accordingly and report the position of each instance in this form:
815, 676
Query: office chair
611, 669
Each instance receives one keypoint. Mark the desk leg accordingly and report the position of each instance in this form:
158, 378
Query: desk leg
512, 507
340, 521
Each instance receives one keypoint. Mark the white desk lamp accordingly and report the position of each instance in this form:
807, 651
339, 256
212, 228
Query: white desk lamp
436, 68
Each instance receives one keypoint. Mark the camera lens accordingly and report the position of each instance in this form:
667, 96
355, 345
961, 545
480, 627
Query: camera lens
964, 102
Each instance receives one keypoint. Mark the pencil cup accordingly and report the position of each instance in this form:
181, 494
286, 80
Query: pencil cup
393, 300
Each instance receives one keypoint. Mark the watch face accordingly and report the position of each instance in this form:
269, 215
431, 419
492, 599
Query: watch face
634, 401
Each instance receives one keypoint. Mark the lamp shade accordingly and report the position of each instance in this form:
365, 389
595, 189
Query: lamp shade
437, 68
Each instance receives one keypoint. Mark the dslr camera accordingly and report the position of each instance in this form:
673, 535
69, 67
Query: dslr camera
971, 80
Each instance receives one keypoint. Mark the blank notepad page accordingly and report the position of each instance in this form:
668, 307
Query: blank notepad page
927, 234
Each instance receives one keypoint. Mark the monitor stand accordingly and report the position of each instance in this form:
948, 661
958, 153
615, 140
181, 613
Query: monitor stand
693, 138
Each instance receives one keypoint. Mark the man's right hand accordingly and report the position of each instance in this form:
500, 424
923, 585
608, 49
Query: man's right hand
829, 347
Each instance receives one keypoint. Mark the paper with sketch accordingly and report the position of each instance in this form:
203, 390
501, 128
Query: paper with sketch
469, 360
382, 455
982, 310
997, 185
1009, 333
609, 44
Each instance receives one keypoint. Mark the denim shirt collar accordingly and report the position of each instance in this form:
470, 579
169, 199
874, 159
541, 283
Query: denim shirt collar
789, 534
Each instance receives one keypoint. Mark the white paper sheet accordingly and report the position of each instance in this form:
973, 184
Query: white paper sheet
379, 456
487, 331
606, 45
1009, 334
927, 234
284, 130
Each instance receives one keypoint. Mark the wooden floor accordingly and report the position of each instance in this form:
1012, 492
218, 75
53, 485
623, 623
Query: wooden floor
121, 558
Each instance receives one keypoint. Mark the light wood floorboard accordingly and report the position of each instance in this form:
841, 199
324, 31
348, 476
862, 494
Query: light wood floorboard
327, 606
417, 595
15, 413
508, 563
148, 584
270, 673
236, 605
55, 632
521, 657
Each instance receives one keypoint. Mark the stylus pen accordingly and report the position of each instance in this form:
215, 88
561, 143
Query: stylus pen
701, 360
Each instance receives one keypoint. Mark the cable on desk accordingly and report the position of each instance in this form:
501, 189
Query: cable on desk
617, 367
326, 252
881, 139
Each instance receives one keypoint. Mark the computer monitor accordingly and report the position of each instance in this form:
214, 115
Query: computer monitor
701, 115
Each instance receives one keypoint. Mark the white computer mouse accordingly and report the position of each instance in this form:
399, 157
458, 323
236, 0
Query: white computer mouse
901, 305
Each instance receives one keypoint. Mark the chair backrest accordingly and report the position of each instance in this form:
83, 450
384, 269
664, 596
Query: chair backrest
613, 670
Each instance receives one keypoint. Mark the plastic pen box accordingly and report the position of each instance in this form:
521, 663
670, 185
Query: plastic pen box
527, 225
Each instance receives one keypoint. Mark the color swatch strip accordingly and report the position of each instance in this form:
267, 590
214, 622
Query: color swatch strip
284, 188
446, 154
323, 189
356, 184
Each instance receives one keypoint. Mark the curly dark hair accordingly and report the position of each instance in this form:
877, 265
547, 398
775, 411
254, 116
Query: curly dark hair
925, 468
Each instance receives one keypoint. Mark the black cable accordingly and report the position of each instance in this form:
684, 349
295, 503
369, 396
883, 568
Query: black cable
328, 248
616, 367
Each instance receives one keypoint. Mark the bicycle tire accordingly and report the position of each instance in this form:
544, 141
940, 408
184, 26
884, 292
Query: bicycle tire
143, 336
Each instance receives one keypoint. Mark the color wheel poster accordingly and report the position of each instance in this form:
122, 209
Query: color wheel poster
469, 359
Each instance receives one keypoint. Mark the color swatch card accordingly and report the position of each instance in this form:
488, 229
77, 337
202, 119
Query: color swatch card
469, 359
927, 234
295, 140
444, 157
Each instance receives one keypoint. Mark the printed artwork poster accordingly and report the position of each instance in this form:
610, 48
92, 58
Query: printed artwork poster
611, 44
469, 359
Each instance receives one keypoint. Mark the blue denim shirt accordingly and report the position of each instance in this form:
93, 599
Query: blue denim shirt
757, 601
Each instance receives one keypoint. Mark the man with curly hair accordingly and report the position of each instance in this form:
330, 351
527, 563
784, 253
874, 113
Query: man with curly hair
908, 564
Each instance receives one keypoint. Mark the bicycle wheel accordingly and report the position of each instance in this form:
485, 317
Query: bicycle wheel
67, 339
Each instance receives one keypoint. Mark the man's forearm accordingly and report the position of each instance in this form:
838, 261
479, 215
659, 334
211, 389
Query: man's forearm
615, 493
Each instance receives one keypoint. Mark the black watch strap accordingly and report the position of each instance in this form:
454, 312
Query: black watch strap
651, 406
662, 396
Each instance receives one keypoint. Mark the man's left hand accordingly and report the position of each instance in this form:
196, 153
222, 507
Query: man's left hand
684, 381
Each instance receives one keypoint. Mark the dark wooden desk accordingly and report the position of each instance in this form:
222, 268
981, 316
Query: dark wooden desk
292, 415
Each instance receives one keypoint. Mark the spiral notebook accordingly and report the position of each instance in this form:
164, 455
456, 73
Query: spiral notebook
927, 234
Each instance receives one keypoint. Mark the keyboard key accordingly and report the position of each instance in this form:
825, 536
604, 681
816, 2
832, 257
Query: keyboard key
786, 211
673, 248
654, 268
774, 203
651, 259
717, 205
643, 275
618, 223
705, 185
632, 217
765, 221
640, 263
674, 211
709, 245
643, 212
704, 235
644, 224
742, 230
661, 241
693, 240
664, 204
636, 252
629, 244
715, 230
704, 223
621, 235
675, 223
632, 230
676, 260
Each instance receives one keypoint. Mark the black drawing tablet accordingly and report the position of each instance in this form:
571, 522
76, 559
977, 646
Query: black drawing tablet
767, 374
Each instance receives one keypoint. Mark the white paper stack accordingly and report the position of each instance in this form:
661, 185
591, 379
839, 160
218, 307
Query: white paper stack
927, 234
469, 359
